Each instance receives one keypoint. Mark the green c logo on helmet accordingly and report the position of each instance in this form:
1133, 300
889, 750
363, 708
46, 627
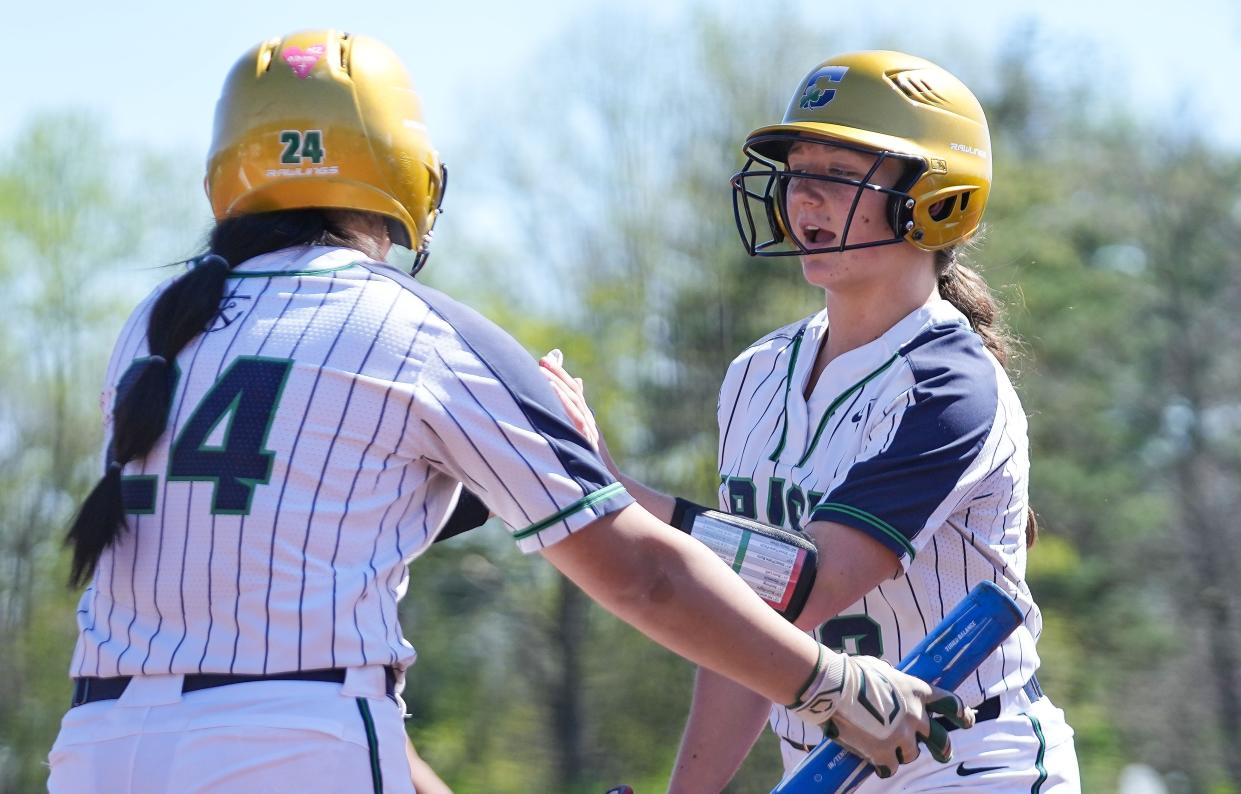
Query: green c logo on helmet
817, 92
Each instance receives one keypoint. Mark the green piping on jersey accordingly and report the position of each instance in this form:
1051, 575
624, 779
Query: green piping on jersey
875, 521
615, 489
274, 273
372, 743
788, 387
1042, 751
837, 402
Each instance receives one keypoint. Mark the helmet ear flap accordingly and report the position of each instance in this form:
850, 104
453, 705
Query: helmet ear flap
400, 234
948, 215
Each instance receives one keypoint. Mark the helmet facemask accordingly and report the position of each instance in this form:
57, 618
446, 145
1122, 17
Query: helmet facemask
761, 188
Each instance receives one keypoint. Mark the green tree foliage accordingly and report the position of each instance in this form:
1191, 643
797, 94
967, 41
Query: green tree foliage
1117, 247
597, 219
616, 221
75, 208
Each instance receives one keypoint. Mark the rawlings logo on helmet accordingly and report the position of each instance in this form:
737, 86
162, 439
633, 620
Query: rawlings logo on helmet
817, 93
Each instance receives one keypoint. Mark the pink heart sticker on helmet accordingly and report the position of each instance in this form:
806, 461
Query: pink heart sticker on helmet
303, 61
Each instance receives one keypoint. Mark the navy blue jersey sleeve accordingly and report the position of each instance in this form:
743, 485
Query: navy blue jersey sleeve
928, 448
494, 424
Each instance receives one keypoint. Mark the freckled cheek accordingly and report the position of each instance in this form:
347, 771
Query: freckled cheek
826, 268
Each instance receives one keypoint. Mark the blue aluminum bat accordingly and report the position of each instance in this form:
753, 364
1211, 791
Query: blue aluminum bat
946, 657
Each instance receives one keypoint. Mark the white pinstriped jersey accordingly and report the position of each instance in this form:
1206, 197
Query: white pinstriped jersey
916, 439
318, 437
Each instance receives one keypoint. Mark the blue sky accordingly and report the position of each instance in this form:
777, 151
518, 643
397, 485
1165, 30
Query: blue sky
152, 70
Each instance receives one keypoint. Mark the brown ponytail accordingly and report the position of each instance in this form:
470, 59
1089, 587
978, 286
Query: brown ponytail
181, 313
965, 289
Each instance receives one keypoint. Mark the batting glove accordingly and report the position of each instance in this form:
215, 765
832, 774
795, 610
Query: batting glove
878, 712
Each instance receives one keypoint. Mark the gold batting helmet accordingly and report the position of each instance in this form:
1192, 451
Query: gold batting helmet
325, 119
891, 105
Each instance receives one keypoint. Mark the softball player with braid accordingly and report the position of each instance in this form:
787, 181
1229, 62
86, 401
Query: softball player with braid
290, 423
884, 426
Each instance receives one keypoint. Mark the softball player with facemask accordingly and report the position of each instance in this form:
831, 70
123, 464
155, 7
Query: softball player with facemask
884, 426
289, 424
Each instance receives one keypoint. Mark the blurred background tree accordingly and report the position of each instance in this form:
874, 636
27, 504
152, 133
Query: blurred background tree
76, 208
597, 219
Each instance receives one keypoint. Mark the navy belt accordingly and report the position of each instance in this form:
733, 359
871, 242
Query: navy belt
90, 690
988, 710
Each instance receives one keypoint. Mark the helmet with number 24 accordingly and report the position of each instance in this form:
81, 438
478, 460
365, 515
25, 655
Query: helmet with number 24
329, 120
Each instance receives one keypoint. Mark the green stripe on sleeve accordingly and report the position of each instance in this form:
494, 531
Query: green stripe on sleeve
587, 501
871, 520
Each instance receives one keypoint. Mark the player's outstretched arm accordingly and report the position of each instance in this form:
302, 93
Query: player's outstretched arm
677, 592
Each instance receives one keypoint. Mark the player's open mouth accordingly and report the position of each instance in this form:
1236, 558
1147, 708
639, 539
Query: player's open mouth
812, 235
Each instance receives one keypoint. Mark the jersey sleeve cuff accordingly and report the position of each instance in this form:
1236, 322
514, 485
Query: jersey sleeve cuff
869, 523
570, 519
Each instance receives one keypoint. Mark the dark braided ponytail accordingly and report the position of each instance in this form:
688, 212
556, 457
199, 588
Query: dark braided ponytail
180, 314
965, 289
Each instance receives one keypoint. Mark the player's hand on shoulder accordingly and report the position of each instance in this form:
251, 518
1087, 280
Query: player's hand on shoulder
880, 713
572, 394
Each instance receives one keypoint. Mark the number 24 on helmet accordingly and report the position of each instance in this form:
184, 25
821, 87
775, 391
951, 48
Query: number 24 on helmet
329, 120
